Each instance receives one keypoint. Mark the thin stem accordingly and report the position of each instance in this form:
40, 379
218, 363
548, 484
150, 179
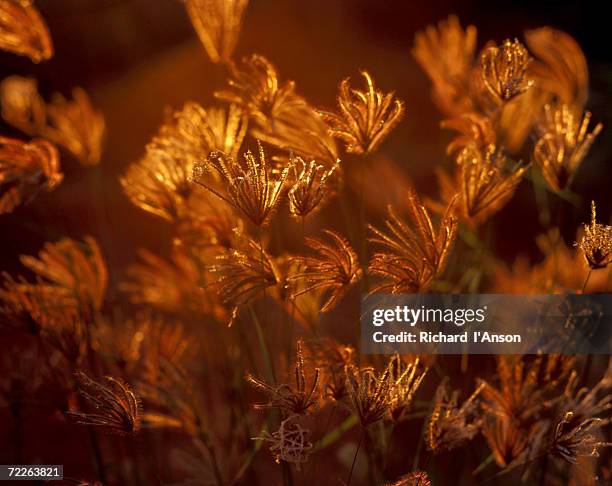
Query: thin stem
263, 346
363, 226
587, 280
348, 483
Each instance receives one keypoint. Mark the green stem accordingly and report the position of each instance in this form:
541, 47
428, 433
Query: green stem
332, 436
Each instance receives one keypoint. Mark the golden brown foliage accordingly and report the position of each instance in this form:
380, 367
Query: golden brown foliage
364, 118
26, 169
23, 31
217, 23
412, 255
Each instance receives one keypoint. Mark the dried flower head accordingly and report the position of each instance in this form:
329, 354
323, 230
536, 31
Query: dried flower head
483, 181
73, 124
311, 186
68, 273
504, 70
405, 377
291, 400
450, 425
587, 402
25, 169
560, 67
364, 118
281, 117
473, 129
563, 144
23, 31
289, 443
526, 387
251, 187
217, 23
242, 274
578, 441
22, 106
416, 478
77, 126
412, 255
116, 408
332, 358
369, 394
596, 243
206, 224
175, 286
509, 443
194, 132
161, 182
334, 268
257, 89
446, 54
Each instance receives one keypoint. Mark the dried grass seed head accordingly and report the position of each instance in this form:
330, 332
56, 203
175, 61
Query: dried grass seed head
23, 31
364, 118
596, 243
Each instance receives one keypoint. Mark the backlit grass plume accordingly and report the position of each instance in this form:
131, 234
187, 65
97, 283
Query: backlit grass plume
23, 31
116, 409
25, 170
364, 118
250, 186
334, 268
412, 254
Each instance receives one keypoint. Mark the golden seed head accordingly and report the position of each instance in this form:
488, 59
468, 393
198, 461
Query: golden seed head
596, 243
364, 118
218, 24
115, 407
446, 53
26, 169
252, 188
504, 70
334, 268
23, 31
311, 186
484, 182
563, 144
413, 254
